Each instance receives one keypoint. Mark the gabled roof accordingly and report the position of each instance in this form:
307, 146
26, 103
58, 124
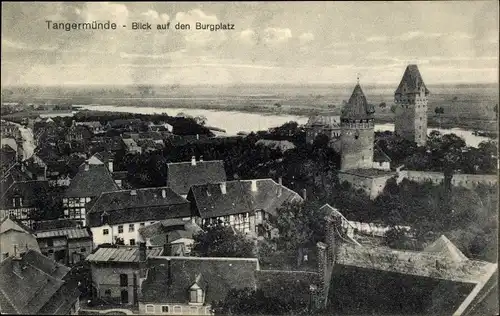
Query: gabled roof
11, 223
412, 81
181, 176
331, 121
28, 190
241, 196
129, 206
357, 108
445, 247
169, 278
35, 286
122, 254
91, 182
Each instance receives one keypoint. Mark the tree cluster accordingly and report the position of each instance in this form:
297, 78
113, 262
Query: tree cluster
222, 241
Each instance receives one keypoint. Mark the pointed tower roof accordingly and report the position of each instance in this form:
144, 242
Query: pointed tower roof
446, 248
412, 80
357, 108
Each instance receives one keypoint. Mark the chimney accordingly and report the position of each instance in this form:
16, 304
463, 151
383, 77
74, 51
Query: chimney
16, 261
304, 193
254, 185
223, 188
163, 193
197, 136
142, 252
280, 186
110, 165
201, 158
167, 249
133, 192
86, 165
193, 161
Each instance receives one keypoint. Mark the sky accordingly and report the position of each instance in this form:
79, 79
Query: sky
272, 42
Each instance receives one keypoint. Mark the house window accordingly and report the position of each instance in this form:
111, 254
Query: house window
107, 293
193, 310
164, 309
177, 309
120, 229
131, 228
132, 242
141, 224
50, 243
123, 280
83, 249
150, 309
105, 231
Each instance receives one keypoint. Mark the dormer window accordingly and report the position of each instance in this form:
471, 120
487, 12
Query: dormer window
195, 294
104, 218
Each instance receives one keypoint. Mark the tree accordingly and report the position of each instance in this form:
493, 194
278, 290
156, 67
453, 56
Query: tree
300, 226
222, 241
49, 203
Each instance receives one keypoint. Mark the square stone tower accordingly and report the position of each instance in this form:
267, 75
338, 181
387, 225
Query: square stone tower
357, 132
411, 99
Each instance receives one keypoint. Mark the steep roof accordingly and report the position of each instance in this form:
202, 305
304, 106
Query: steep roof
412, 81
182, 175
28, 190
241, 196
169, 278
11, 223
122, 254
357, 108
91, 182
128, 206
35, 286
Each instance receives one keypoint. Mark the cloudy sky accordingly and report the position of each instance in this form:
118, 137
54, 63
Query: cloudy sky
294, 42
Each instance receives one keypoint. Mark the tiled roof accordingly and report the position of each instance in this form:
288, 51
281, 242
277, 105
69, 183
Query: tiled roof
91, 182
33, 286
241, 196
70, 233
122, 254
287, 285
182, 175
128, 206
412, 80
162, 227
169, 278
55, 224
357, 108
25, 189
332, 121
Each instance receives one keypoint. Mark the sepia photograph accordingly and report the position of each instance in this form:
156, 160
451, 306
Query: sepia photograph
249, 158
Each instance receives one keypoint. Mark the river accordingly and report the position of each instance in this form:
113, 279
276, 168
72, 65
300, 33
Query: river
234, 122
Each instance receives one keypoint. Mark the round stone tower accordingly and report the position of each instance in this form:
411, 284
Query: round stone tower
357, 134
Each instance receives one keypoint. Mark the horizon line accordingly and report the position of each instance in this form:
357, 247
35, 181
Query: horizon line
234, 84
